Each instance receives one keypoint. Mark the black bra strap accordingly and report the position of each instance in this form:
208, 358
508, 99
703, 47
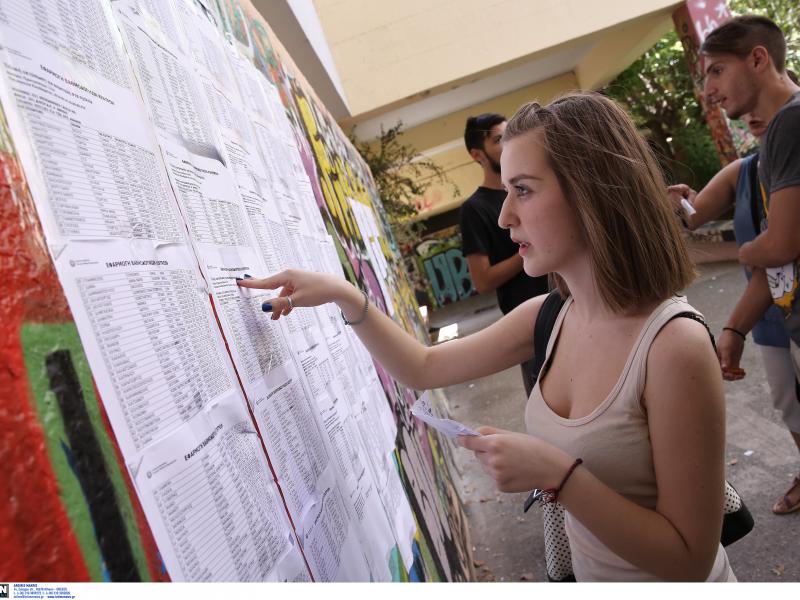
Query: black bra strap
695, 317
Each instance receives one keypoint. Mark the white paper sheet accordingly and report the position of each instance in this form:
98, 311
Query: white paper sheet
378, 431
294, 442
257, 343
163, 16
208, 199
371, 385
213, 508
371, 236
423, 410
293, 568
93, 174
146, 324
169, 85
359, 490
80, 33
327, 535
205, 44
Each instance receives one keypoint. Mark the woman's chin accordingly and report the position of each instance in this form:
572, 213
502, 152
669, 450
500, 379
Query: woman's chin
532, 271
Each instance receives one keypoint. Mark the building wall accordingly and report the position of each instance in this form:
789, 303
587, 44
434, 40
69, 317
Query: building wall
391, 53
442, 140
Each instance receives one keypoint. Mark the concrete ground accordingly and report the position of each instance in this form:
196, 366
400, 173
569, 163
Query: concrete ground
761, 457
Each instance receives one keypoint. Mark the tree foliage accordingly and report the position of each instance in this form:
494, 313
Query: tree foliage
401, 174
786, 13
657, 90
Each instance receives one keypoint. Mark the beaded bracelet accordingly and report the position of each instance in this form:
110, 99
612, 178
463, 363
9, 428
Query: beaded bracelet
363, 312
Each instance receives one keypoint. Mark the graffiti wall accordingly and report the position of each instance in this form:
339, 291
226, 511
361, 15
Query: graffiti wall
92, 489
68, 511
441, 268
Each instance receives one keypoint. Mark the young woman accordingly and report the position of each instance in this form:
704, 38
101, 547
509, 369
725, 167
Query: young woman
634, 394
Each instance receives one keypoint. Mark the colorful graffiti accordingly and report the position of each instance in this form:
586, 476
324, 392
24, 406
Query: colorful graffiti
69, 512
338, 176
693, 21
440, 260
437, 268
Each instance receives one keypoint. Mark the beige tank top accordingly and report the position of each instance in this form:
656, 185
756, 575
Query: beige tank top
614, 443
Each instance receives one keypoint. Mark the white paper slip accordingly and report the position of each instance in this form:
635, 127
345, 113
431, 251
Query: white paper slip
424, 412
687, 206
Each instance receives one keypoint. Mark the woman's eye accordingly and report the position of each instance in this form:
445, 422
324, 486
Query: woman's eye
520, 191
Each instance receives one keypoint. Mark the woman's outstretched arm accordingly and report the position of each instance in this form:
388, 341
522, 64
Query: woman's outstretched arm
505, 343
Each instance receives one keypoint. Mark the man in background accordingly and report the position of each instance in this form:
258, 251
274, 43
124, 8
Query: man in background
492, 258
745, 72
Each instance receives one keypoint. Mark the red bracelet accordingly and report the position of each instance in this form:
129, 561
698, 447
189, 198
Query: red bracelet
551, 495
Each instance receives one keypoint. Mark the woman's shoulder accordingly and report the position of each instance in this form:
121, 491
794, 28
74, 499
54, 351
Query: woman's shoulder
683, 344
682, 367
530, 310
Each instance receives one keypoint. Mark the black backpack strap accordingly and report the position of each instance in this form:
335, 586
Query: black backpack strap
545, 321
756, 208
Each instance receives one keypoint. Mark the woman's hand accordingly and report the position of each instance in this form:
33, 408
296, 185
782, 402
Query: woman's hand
516, 461
304, 287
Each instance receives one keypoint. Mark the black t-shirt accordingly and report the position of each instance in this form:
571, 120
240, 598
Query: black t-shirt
480, 234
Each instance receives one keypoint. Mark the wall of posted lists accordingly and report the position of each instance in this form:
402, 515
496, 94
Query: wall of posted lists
163, 164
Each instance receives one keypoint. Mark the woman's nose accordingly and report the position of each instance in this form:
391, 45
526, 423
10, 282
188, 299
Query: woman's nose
507, 216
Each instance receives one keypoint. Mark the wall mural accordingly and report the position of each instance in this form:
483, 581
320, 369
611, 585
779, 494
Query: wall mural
442, 268
339, 174
70, 510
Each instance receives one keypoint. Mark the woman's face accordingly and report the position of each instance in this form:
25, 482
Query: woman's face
535, 211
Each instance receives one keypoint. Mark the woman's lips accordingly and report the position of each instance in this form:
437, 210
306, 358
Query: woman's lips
523, 246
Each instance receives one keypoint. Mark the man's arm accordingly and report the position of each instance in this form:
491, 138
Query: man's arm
780, 243
710, 202
754, 302
488, 277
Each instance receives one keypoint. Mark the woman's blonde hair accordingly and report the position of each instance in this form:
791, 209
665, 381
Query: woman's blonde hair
609, 175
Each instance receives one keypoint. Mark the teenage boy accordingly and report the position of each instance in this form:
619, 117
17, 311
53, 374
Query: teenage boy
745, 72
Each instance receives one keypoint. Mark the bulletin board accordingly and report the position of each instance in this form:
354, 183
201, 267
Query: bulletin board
156, 424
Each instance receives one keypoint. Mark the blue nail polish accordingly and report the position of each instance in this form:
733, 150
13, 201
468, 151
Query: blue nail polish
266, 307
246, 276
